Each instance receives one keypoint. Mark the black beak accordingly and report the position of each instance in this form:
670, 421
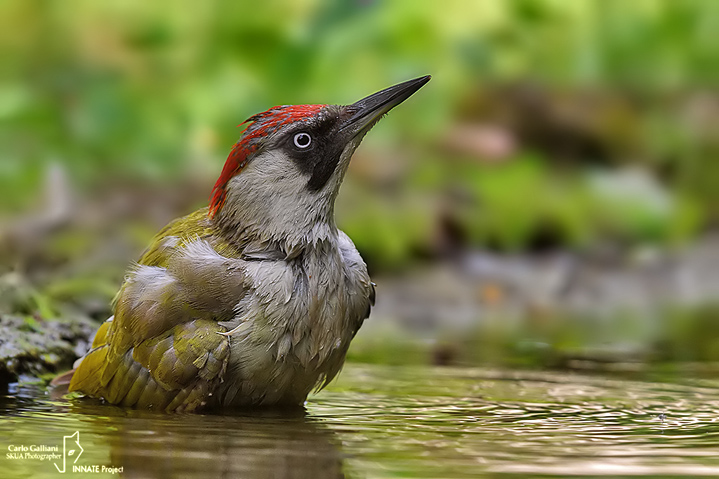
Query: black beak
362, 115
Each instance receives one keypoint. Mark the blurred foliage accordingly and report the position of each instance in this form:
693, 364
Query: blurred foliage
547, 124
624, 344
152, 91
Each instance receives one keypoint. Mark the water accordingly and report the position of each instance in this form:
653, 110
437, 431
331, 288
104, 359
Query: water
384, 422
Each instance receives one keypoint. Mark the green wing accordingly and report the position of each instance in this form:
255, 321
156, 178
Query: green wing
163, 348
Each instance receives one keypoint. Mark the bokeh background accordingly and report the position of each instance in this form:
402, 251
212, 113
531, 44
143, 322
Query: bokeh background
549, 200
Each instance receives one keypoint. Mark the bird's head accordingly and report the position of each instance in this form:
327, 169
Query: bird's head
281, 178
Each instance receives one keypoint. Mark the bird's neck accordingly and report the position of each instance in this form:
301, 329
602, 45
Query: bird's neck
276, 234
271, 206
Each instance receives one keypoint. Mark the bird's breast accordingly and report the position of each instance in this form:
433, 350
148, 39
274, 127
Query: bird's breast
293, 329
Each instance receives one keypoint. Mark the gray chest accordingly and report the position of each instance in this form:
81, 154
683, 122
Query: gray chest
294, 326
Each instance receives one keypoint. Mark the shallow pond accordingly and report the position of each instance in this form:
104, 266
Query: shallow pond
378, 421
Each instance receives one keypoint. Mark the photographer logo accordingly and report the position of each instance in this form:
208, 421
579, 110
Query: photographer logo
64, 459
71, 449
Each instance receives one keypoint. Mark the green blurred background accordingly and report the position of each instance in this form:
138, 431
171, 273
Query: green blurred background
549, 199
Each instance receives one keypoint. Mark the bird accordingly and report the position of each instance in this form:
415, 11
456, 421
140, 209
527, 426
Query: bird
253, 300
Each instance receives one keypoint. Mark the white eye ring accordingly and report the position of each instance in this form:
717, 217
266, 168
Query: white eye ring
303, 140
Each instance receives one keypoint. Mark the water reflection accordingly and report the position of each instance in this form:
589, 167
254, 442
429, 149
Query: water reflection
523, 424
147, 444
225, 446
401, 422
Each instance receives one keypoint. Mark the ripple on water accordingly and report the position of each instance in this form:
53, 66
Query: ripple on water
410, 422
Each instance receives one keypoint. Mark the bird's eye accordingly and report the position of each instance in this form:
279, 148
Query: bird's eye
302, 140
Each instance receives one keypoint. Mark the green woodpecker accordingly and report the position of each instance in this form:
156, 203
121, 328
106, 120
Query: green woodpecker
254, 300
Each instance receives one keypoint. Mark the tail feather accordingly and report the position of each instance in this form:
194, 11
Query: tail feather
88, 375
63, 381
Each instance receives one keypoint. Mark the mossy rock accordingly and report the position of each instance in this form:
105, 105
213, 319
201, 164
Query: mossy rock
29, 346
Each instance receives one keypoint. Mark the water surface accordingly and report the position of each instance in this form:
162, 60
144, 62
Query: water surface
379, 421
